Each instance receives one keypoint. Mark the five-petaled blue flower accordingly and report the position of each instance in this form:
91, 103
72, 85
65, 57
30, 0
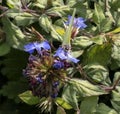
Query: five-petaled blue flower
65, 55
36, 46
77, 23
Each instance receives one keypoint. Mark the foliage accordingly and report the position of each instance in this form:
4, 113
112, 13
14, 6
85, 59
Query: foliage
90, 86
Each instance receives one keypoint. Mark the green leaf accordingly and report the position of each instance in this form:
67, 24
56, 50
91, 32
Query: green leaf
98, 73
98, 15
116, 54
25, 19
12, 12
4, 49
116, 98
105, 25
84, 88
116, 105
60, 110
21, 18
93, 54
104, 109
82, 42
98, 39
81, 9
14, 3
13, 89
99, 19
58, 10
45, 23
117, 30
69, 95
28, 98
14, 36
62, 103
88, 105
115, 4
76, 53
77, 89
14, 63
40, 3
57, 33
71, 2
116, 76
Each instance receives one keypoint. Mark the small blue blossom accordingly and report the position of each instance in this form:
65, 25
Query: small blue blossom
54, 95
39, 79
77, 23
55, 84
36, 46
65, 55
58, 64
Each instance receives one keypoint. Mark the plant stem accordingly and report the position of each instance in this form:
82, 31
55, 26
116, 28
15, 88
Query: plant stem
116, 83
108, 89
67, 36
107, 7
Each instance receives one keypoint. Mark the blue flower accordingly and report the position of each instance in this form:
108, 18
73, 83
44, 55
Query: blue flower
36, 46
65, 55
58, 64
55, 84
39, 79
54, 95
77, 23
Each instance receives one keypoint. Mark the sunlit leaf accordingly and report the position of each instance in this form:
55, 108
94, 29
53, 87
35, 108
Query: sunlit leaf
98, 39
14, 3
98, 73
62, 103
40, 3
21, 18
58, 11
98, 14
28, 98
77, 89
45, 23
82, 42
69, 95
117, 30
14, 36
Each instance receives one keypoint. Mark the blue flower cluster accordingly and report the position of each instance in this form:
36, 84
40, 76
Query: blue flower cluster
43, 69
63, 54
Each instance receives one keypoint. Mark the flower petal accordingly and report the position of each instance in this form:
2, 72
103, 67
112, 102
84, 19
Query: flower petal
60, 53
29, 48
64, 55
36, 45
74, 60
77, 23
45, 45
